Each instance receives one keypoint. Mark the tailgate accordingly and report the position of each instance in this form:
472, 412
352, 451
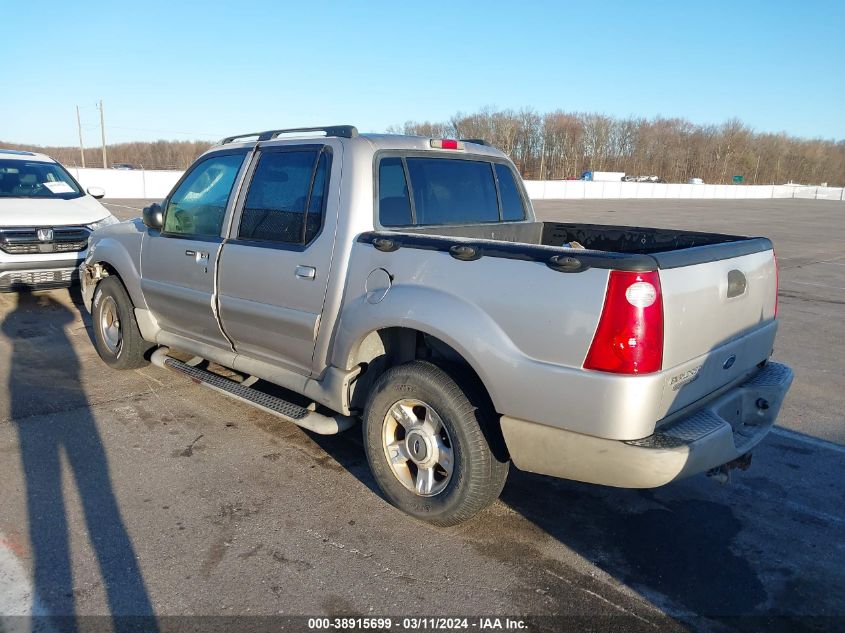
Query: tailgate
718, 322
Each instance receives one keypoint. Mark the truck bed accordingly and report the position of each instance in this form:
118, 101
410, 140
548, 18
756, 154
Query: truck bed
605, 246
715, 331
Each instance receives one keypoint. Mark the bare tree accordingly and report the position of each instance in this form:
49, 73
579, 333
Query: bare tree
563, 144
560, 144
154, 155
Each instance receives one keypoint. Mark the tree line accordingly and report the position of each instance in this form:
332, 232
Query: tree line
141, 155
561, 145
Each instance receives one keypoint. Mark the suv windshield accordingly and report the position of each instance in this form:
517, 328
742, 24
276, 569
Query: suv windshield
36, 179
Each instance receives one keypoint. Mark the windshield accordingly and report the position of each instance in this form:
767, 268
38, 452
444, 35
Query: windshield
36, 179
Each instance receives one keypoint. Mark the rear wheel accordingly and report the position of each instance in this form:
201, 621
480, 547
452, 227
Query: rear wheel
116, 335
425, 442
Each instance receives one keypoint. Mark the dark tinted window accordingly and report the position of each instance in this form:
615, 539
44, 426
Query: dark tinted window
318, 195
509, 193
393, 202
197, 207
448, 191
275, 205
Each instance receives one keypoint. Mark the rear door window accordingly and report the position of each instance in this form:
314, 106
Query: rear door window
314, 217
286, 197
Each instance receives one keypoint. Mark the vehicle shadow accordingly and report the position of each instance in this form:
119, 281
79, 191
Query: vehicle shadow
44, 379
742, 557
680, 549
712, 557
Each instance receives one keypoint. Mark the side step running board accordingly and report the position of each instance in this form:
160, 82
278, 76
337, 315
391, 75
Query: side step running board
311, 420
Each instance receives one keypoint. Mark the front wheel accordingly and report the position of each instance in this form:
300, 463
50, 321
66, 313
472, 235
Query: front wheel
426, 445
116, 335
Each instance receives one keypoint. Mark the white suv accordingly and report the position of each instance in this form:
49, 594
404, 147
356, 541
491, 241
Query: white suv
45, 221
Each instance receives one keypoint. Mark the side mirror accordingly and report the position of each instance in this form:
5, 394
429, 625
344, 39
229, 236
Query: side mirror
96, 192
153, 216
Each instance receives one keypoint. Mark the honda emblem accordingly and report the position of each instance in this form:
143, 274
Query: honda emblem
45, 235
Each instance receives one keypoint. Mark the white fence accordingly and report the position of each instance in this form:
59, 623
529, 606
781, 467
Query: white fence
155, 184
582, 190
128, 183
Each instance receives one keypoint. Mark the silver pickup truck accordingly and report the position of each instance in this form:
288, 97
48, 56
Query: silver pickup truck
330, 277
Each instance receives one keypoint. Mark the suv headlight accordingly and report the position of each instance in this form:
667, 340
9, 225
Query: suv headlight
109, 219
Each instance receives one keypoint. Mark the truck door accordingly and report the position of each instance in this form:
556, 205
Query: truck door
177, 263
274, 268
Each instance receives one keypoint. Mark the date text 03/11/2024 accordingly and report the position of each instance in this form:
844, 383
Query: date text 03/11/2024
417, 623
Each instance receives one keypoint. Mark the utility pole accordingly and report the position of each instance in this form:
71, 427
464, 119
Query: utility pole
103, 134
757, 169
79, 127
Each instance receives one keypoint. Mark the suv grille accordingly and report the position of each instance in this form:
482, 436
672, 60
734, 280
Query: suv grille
25, 241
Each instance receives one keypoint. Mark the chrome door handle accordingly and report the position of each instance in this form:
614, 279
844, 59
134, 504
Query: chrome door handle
201, 257
306, 272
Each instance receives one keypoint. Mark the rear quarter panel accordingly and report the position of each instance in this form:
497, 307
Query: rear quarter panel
523, 327
526, 330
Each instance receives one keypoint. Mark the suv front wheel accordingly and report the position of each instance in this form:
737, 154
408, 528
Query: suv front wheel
116, 335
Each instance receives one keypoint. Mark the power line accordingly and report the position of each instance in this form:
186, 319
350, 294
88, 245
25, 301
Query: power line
141, 129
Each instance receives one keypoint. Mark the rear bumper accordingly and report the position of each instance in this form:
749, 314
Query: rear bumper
715, 434
34, 275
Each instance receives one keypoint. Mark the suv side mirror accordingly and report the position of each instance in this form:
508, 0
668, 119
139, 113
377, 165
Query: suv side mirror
96, 192
153, 216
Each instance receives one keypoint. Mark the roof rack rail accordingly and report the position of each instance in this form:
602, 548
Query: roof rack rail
343, 131
477, 141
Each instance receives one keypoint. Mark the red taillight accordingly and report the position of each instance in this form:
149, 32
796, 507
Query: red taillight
777, 282
629, 338
446, 143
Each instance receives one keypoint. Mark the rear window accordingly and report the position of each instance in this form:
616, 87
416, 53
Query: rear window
431, 191
453, 191
393, 201
508, 191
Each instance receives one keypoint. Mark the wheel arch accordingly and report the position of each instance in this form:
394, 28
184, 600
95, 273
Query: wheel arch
387, 347
116, 260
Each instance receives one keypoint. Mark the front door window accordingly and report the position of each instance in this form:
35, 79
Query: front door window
198, 205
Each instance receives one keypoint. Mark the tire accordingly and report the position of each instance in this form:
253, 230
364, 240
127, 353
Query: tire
120, 347
441, 468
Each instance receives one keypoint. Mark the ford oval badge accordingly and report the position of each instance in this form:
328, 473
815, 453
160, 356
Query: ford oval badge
729, 362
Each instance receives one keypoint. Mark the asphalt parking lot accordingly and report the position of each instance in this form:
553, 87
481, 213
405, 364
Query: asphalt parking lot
139, 492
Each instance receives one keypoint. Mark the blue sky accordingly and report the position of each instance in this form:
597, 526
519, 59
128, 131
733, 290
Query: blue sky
187, 70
